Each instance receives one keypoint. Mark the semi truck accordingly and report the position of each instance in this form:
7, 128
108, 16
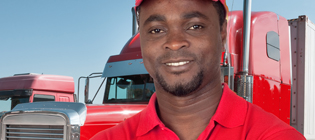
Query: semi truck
279, 80
31, 87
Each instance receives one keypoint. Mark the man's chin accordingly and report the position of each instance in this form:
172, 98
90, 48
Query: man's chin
180, 88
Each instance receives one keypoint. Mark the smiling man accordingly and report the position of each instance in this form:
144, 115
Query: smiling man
181, 44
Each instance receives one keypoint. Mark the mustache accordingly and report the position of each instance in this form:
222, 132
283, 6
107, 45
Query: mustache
176, 54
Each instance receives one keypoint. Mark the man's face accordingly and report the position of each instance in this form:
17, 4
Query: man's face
181, 44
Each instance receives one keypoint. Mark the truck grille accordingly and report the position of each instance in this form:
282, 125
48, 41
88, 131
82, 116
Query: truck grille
43, 121
34, 132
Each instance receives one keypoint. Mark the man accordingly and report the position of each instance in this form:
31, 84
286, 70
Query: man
181, 43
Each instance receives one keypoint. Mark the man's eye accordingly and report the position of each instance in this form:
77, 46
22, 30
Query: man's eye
195, 27
155, 31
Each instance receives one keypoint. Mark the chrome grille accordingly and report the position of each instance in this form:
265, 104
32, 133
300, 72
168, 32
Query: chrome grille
34, 132
43, 121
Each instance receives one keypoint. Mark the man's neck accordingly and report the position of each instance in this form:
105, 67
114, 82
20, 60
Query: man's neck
189, 116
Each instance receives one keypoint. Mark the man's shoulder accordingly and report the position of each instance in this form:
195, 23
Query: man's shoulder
256, 123
267, 126
258, 117
126, 130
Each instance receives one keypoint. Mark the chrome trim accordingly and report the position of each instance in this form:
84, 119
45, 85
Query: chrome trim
76, 112
34, 118
134, 21
29, 133
12, 137
244, 86
34, 125
246, 34
30, 121
75, 132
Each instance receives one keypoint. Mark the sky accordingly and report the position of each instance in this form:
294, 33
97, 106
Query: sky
76, 37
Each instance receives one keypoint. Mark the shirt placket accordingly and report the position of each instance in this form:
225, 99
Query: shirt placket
205, 135
169, 133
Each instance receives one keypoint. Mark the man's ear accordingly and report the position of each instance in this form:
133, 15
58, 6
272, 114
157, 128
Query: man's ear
223, 34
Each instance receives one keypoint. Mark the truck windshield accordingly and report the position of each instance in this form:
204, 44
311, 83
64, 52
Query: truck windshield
134, 88
9, 103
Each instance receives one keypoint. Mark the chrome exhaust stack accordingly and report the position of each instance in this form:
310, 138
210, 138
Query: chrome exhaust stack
244, 82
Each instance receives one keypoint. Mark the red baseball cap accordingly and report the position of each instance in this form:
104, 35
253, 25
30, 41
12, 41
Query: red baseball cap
138, 2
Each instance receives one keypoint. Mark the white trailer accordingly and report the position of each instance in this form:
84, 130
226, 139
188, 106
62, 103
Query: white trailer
303, 76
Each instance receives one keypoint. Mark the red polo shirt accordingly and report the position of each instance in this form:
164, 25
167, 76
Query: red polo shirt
234, 119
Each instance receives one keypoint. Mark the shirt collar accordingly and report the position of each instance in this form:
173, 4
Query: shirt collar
231, 112
232, 109
148, 118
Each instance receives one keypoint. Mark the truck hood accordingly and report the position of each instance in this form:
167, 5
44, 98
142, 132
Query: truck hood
111, 113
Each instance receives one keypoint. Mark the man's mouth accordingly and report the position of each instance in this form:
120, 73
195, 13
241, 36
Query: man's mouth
177, 63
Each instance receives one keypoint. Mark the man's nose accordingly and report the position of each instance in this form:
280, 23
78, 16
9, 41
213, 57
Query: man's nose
176, 40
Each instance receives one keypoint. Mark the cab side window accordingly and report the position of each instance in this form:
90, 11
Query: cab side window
273, 46
42, 98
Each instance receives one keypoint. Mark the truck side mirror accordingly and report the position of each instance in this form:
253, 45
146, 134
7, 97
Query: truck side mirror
134, 21
86, 91
75, 99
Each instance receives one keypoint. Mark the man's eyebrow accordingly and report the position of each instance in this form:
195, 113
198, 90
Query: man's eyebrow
155, 17
194, 14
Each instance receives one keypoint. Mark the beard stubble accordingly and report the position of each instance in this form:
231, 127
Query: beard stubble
180, 89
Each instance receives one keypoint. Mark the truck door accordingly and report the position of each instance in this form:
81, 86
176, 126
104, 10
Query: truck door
285, 70
264, 63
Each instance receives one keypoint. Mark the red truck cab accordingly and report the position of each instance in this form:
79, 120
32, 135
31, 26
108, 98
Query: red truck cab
128, 88
28, 88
